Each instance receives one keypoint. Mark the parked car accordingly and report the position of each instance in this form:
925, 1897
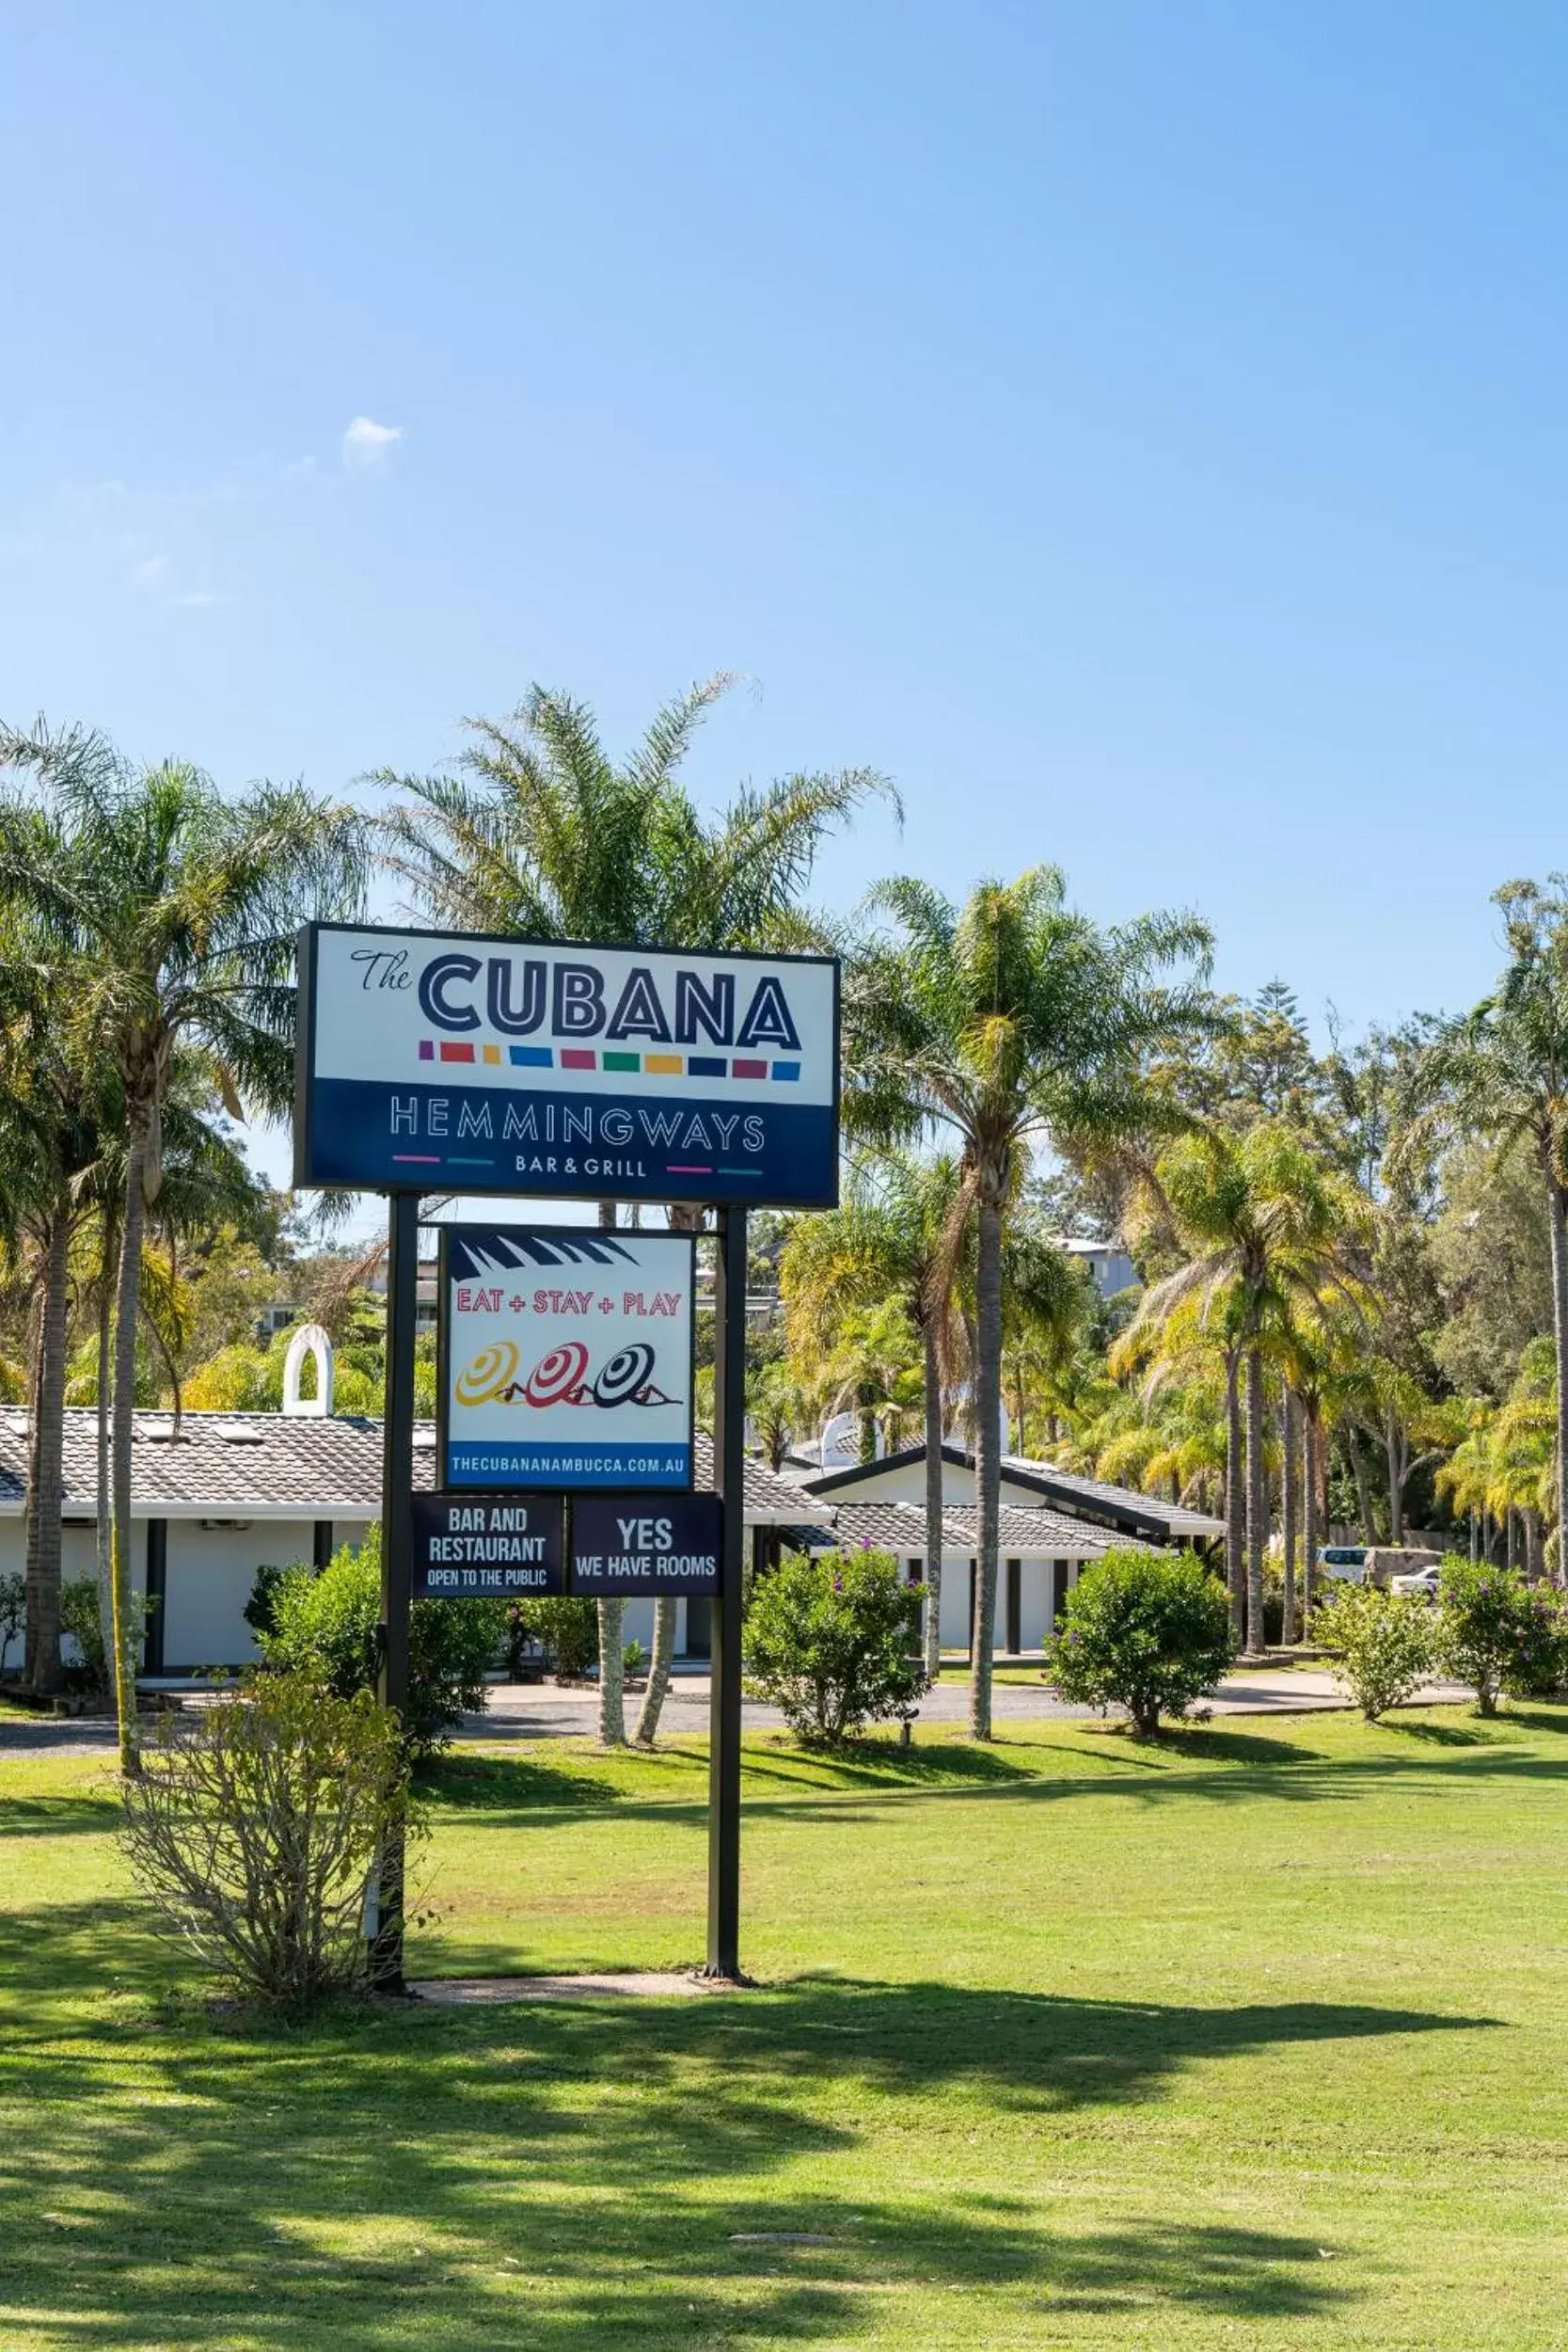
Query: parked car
1419, 1581
1347, 1561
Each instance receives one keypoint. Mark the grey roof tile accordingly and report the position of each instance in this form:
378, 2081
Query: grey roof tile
239, 1465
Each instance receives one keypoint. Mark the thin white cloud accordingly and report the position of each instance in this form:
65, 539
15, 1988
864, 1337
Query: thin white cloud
366, 444
300, 466
197, 597
151, 573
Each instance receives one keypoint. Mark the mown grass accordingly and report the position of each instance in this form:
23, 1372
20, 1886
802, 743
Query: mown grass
1246, 2037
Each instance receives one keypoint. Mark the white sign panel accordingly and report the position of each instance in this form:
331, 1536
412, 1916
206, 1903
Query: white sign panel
567, 1357
431, 1061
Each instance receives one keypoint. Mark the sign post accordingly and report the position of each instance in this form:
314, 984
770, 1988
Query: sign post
397, 1487
729, 1449
561, 1070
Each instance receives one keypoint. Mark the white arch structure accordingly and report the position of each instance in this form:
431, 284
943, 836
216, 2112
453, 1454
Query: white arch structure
309, 1340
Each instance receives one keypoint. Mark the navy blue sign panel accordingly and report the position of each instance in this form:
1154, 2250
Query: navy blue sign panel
431, 1061
645, 1543
487, 1546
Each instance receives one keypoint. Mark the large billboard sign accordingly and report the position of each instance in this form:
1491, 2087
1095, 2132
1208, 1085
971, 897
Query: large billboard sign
434, 1062
567, 1357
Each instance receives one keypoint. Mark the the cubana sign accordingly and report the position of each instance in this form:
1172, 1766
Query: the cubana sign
567, 1357
432, 1061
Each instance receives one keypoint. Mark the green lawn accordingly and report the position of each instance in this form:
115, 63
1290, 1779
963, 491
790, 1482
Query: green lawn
1241, 2040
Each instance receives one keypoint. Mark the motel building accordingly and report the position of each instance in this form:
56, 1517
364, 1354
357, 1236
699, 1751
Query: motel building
1051, 1522
233, 1492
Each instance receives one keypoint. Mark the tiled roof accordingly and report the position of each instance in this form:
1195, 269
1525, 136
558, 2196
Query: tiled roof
277, 1465
1092, 1499
1069, 1487
901, 1528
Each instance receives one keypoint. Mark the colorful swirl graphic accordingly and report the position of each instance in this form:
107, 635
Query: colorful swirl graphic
629, 1370
488, 1374
556, 1378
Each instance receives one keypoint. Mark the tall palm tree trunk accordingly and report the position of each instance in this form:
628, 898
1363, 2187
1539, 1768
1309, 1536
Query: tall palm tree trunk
124, 1405
987, 1457
1558, 1221
933, 1499
683, 1219
1311, 1451
612, 1612
1393, 1445
1257, 1501
1235, 1509
1289, 1430
103, 1545
44, 1658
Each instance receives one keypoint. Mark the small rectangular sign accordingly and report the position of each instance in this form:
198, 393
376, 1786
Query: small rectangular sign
565, 1356
432, 1061
487, 1546
643, 1543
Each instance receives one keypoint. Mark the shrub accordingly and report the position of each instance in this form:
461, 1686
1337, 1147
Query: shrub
834, 1643
13, 1612
326, 1629
254, 1828
80, 1607
566, 1631
1383, 1644
261, 1609
1148, 1630
1492, 1631
634, 1659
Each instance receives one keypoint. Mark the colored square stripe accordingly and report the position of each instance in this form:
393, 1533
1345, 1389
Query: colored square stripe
531, 1057
573, 1057
706, 1066
667, 1065
492, 1053
786, 1069
622, 1061
455, 1053
749, 1069
427, 1049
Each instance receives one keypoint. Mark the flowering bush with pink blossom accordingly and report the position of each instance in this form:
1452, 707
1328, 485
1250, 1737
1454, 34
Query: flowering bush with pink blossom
1499, 1632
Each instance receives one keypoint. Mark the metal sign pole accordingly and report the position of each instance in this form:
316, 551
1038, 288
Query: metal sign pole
729, 1449
397, 1539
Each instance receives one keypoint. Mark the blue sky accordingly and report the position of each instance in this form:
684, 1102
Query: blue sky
1137, 428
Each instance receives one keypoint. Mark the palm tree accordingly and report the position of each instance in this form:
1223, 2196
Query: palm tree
1265, 1225
185, 908
1502, 1073
885, 1242
1008, 1020
541, 834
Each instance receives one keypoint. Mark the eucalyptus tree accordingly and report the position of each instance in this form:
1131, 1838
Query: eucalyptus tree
539, 834
185, 907
1501, 1073
1009, 1020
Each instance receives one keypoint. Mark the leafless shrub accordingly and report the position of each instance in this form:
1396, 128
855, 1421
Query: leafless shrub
256, 1826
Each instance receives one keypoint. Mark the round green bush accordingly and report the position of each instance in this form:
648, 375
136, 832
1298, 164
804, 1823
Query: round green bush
834, 1643
1148, 1630
1383, 1644
326, 1627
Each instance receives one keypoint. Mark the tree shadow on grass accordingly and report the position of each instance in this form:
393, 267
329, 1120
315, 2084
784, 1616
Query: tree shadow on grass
58, 1817
576, 2173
